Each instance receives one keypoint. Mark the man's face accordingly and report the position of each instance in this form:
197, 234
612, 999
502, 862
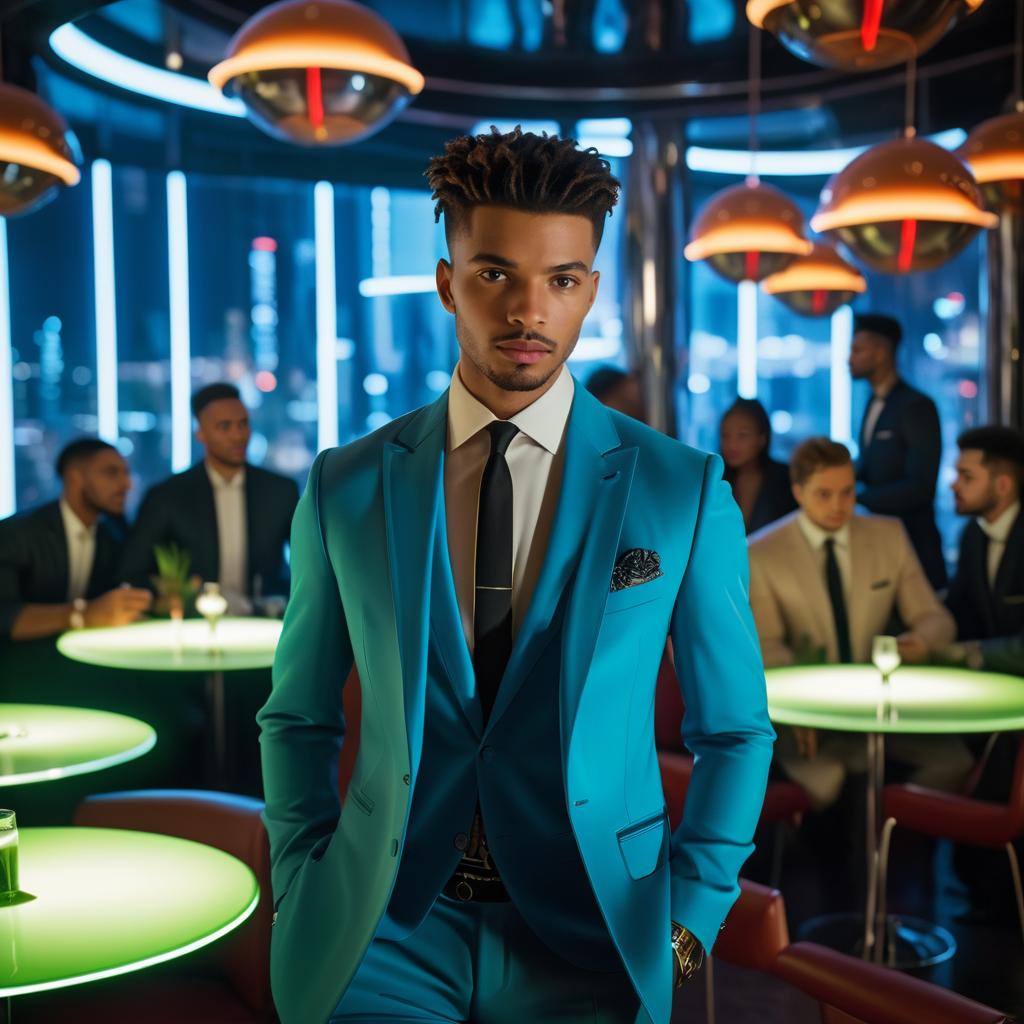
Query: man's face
519, 285
868, 353
975, 485
105, 481
828, 496
224, 431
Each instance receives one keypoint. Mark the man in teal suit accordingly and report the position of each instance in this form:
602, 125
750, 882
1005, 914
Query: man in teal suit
503, 568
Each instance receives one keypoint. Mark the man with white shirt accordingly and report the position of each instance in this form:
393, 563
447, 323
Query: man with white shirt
231, 517
823, 583
503, 567
986, 595
900, 442
58, 562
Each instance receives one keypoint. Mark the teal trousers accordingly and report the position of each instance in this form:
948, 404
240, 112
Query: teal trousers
480, 962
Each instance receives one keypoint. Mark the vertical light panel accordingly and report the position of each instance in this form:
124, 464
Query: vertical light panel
181, 339
326, 317
106, 316
7, 491
746, 340
840, 415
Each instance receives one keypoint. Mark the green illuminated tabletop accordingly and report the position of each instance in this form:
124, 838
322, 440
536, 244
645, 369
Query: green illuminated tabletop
109, 901
40, 742
918, 699
167, 646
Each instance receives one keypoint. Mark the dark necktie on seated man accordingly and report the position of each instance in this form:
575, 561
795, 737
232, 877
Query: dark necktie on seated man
477, 876
835, 595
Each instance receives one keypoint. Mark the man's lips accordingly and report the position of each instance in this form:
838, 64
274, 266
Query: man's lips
522, 351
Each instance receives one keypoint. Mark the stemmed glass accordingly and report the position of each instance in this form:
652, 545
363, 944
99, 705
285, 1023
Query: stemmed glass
212, 605
885, 656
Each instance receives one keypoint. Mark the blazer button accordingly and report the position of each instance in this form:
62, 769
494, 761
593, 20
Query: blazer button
487, 753
394, 847
405, 779
461, 841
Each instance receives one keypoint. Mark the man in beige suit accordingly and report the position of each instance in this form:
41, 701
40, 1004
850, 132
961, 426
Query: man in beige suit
823, 583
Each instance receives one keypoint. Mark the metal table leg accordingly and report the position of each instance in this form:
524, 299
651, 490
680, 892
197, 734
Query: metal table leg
215, 703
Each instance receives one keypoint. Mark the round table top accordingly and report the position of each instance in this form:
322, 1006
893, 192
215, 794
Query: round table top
110, 901
40, 742
918, 699
166, 646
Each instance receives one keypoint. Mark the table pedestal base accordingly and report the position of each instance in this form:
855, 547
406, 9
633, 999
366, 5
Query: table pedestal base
908, 942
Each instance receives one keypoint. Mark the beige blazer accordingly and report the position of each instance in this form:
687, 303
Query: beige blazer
790, 600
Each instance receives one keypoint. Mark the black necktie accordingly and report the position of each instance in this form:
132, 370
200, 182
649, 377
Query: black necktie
835, 595
492, 618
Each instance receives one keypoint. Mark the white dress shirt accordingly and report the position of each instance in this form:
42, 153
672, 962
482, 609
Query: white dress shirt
816, 537
81, 541
232, 536
536, 458
875, 408
997, 532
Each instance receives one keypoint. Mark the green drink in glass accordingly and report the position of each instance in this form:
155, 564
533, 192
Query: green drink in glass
8, 855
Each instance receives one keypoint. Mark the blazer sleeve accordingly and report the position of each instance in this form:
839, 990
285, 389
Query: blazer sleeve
302, 724
915, 488
726, 726
138, 562
918, 605
1004, 654
771, 629
13, 555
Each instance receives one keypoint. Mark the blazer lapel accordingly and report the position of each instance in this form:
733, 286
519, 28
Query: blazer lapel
803, 568
207, 561
57, 542
412, 477
861, 578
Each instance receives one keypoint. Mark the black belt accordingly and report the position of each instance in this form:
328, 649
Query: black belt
469, 888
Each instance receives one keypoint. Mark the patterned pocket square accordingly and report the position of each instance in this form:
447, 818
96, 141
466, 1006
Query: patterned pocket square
636, 566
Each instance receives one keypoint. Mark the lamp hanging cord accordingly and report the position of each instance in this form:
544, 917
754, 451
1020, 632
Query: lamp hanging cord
909, 131
1018, 61
754, 97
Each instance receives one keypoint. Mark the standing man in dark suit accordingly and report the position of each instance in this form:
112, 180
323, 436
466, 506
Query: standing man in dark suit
57, 562
986, 595
900, 442
233, 518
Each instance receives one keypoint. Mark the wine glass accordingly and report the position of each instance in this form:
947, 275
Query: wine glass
885, 655
212, 605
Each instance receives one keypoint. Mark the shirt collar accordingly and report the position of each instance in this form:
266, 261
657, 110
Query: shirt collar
217, 481
816, 536
885, 389
543, 421
73, 526
1000, 529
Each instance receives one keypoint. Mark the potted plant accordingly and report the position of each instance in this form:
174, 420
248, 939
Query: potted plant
175, 589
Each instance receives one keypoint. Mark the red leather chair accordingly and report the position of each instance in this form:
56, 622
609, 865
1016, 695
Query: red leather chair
961, 819
225, 983
848, 990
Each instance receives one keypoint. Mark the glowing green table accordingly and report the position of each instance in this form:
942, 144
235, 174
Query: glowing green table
918, 699
110, 901
188, 646
40, 742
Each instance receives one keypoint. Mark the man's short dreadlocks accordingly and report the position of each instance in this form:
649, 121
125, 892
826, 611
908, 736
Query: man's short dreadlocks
534, 173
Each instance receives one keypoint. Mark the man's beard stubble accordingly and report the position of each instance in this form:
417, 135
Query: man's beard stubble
516, 379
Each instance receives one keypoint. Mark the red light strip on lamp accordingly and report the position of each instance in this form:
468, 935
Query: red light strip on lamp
908, 235
314, 97
870, 23
750, 265
818, 301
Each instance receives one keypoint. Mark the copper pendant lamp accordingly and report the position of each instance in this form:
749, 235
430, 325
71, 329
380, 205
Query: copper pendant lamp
858, 35
748, 231
37, 154
994, 150
318, 72
902, 206
816, 285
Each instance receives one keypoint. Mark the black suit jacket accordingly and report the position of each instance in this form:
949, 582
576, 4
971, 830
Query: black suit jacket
993, 615
898, 470
34, 561
775, 499
181, 509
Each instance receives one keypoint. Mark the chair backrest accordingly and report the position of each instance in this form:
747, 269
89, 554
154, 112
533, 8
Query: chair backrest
229, 822
352, 706
1016, 801
668, 705
755, 931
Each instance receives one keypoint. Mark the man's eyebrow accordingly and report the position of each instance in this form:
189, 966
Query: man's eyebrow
501, 261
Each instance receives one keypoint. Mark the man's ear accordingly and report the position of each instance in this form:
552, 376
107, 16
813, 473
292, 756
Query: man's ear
444, 285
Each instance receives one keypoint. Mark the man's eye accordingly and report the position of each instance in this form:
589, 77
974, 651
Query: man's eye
492, 275
566, 283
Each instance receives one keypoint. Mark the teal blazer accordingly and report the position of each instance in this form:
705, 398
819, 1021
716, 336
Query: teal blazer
363, 564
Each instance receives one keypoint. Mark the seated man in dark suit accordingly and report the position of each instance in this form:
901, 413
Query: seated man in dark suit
232, 518
57, 562
986, 595
900, 442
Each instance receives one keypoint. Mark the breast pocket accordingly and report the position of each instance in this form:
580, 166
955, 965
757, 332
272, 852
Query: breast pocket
640, 593
644, 844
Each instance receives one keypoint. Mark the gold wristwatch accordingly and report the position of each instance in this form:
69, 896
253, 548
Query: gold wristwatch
689, 953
